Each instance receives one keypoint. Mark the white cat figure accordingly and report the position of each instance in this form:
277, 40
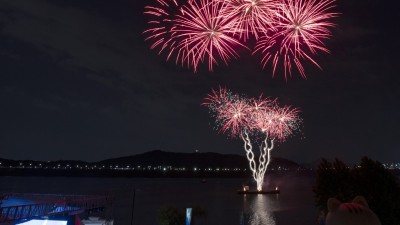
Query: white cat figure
356, 212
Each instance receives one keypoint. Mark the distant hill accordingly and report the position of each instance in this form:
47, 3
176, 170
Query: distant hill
201, 160
312, 164
155, 163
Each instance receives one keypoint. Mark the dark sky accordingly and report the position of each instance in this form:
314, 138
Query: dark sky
77, 81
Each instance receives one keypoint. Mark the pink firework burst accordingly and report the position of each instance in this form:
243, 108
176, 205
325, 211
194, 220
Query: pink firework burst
301, 26
217, 98
279, 122
250, 16
234, 117
231, 111
261, 103
162, 16
201, 33
235, 114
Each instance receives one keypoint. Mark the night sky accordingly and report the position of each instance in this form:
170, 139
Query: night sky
78, 81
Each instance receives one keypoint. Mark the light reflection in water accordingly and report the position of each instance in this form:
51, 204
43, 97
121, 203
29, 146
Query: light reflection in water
258, 210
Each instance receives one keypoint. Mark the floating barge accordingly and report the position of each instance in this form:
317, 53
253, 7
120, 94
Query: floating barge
246, 191
241, 192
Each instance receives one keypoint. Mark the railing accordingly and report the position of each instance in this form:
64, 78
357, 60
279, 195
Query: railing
69, 205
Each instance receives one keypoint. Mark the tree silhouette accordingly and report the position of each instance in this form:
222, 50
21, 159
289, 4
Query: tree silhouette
370, 179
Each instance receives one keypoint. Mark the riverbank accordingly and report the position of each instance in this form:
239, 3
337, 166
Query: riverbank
139, 173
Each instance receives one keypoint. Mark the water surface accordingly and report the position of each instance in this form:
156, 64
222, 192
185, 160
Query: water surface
217, 196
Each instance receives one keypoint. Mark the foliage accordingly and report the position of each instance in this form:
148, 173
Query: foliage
333, 179
171, 215
370, 179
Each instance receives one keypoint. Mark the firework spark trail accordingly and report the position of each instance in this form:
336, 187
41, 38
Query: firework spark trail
250, 17
232, 111
301, 26
278, 122
249, 153
201, 33
162, 19
235, 116
285, 121
217, 98
264, 161
242, 117
261, 103
287, 32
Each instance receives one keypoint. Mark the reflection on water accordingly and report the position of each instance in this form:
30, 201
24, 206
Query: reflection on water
257, 209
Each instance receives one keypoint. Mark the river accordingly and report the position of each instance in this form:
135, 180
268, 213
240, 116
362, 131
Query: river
217, 196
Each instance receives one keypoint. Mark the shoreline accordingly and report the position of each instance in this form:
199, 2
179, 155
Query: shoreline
140, 174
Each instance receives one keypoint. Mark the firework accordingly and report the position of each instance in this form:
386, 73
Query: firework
162, 16
231, 111
235, 114
250, 17
277, 123
301, 26
217, 98
245, 118
287, 32
261, 103
202, 34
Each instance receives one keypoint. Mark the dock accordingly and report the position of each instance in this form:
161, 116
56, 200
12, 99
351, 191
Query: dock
45, 206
